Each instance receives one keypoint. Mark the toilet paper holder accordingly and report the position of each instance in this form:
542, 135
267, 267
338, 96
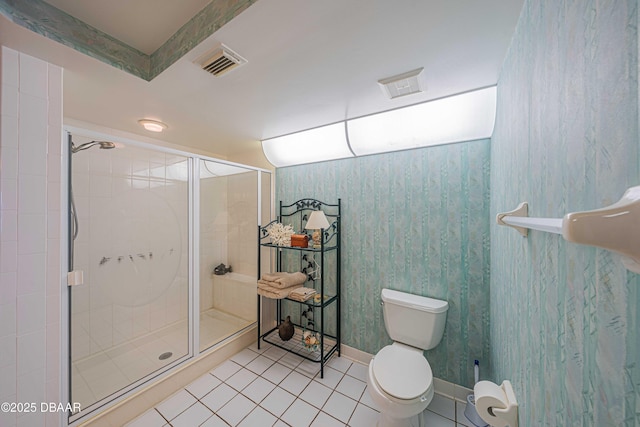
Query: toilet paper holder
503, 411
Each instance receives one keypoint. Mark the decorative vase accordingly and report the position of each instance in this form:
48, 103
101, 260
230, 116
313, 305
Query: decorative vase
286, 329
310, 341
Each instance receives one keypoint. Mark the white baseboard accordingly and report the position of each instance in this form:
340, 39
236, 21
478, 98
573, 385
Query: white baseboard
355, 354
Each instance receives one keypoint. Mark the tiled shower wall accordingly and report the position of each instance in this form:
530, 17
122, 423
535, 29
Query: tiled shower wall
228, 234
30, 233
132, 207
415, 221
214, 222
565, 317
242, 203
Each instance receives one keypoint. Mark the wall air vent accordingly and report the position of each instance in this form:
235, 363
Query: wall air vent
220, 60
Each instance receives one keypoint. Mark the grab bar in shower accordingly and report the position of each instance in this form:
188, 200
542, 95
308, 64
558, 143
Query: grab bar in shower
615, 227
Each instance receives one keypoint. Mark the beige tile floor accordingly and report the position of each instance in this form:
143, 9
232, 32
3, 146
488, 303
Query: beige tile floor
270, 387
104, 373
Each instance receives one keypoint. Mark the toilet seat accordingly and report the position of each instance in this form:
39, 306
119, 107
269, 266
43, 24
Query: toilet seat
402, 372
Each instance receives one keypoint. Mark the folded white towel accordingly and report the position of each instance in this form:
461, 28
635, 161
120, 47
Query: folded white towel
271, 292
284, 279
302, 294
272, 277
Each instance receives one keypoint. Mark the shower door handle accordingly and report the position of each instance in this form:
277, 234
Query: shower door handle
75, 278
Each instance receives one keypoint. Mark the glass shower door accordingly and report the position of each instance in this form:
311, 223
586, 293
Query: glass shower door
129, 318
228, 218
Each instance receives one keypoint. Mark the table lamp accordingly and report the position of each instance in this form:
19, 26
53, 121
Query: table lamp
317, 221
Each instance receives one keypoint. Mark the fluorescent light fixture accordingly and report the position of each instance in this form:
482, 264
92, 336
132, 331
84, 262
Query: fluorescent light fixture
457, 118
315, 145
152, 125
465, 117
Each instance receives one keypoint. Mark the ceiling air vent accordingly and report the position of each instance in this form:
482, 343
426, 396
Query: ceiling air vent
220, 60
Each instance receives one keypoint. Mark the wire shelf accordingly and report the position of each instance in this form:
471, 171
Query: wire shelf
295, 345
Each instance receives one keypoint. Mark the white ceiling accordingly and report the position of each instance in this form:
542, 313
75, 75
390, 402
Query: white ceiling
309, 64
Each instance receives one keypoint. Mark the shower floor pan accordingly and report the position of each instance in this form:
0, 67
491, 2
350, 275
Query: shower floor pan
105, 373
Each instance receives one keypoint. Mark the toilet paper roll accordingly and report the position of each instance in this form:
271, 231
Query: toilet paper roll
489, 395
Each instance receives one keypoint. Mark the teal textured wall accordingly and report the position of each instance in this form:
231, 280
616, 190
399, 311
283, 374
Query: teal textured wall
416, 221
564, 317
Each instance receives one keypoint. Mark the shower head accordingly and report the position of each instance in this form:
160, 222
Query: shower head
105, 145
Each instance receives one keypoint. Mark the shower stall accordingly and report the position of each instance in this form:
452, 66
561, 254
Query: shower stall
162, 246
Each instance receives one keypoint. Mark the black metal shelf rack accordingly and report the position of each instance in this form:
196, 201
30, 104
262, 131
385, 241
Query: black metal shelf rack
296, 214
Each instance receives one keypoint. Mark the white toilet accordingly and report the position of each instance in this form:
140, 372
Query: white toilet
400, 381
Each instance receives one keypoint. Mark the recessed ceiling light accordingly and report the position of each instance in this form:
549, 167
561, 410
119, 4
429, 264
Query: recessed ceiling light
152, 125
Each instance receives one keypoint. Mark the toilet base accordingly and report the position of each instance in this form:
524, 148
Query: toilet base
415, 421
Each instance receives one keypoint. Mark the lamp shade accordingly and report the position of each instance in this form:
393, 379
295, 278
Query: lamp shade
316, 221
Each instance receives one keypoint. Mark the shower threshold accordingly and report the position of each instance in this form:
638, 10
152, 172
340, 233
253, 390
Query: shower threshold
217, 325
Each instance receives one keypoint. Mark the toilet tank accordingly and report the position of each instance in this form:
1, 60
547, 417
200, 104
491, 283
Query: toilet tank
413, 319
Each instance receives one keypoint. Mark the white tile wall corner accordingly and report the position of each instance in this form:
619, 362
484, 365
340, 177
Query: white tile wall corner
30, 227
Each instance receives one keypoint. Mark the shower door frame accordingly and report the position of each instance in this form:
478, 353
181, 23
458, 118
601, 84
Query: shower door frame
193, 246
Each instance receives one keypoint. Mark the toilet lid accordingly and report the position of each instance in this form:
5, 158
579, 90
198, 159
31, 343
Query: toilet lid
402, 373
